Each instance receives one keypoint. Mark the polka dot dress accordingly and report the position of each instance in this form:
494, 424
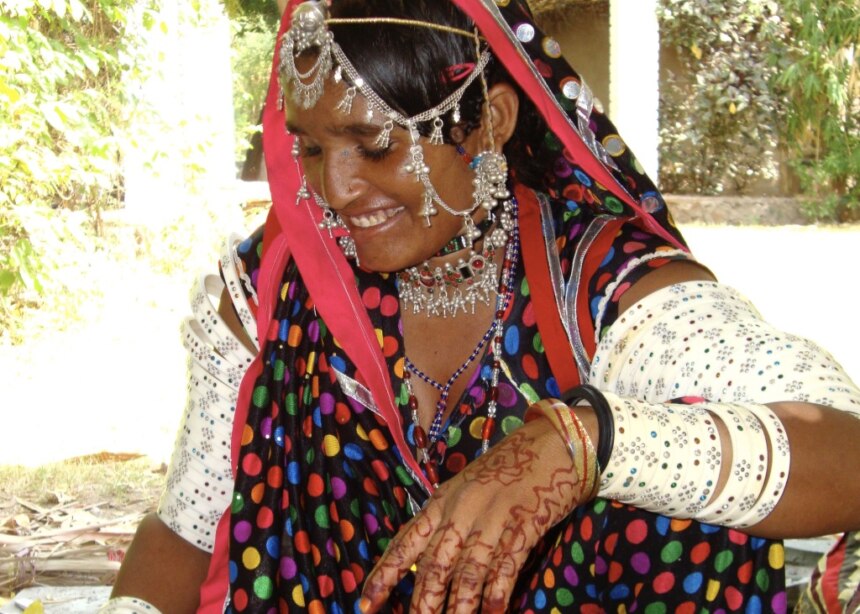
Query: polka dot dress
321, 489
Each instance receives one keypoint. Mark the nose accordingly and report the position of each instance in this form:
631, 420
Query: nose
340, 179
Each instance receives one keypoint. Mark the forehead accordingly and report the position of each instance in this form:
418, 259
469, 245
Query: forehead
329, 114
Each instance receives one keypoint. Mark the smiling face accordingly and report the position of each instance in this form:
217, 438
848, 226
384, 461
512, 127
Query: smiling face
378, 200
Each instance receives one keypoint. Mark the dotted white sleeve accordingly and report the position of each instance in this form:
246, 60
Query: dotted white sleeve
705, 339
200, 478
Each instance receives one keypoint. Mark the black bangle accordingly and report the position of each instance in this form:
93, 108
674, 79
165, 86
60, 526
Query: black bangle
605, 421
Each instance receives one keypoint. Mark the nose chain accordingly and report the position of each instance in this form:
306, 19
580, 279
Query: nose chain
495, 336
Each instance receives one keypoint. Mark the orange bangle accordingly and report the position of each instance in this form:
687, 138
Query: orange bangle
579, 444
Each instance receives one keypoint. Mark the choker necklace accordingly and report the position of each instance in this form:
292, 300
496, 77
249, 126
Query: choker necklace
423, 440
461, 242
453, 287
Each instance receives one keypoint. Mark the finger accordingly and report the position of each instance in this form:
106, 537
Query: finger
470, 573
508, 559
401, 553
435, 567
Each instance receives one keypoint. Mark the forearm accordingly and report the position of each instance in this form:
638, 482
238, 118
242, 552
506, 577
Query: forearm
822, 495
169, 557
162, 568
789, 471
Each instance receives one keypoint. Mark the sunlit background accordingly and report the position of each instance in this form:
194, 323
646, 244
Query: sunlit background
124, 132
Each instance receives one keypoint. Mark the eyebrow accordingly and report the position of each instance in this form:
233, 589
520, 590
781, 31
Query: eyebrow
358, 129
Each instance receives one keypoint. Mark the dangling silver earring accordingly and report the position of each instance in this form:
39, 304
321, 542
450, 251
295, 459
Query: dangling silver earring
331, 222
303, 192
491, 176
347, 245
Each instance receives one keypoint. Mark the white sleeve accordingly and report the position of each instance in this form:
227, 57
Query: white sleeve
200, 478
704, 339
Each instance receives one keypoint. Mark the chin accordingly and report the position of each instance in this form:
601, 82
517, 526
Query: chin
377, 264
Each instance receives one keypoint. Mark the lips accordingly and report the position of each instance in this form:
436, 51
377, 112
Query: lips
369, 220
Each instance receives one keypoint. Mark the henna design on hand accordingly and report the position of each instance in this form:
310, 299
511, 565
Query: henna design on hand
479, 528
509, 466
432, 578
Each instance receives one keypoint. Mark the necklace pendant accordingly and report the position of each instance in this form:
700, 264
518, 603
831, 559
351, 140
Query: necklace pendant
459, 303
420, 437
464, 269
432, 472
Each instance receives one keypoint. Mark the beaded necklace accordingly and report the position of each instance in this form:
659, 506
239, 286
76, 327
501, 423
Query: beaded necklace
494, 335
445, 389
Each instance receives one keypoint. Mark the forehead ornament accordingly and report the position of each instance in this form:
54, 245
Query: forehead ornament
308, 26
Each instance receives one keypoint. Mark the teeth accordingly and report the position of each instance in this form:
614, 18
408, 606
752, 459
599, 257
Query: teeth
374, 219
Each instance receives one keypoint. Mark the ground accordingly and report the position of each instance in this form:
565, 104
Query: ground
69, 523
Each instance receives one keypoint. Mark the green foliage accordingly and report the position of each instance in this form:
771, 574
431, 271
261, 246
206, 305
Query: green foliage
819, 76
719, 115
253, 40
62, 109
267, 10
253, 26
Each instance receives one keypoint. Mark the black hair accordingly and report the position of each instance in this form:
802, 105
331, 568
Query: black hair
409, 68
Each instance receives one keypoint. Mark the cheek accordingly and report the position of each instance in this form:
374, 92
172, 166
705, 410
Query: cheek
310, 168
452, 178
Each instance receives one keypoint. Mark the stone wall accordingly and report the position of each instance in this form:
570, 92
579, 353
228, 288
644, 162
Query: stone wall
736, 210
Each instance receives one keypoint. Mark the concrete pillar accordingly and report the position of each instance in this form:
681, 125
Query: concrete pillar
634, 77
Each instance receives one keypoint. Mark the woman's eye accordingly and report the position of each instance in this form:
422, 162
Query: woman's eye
309, 151
374, 154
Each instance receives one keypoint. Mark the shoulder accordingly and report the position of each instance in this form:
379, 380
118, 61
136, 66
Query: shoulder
631, 261
247, 254
674, 272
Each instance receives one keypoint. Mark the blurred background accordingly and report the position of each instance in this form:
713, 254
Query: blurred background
130, 148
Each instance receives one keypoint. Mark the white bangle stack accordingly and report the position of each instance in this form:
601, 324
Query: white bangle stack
749, 452
205, 296
667, 459
200, 477
777, 475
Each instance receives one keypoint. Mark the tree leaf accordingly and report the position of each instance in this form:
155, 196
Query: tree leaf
52, 116
12, 94
696, 51
7, 281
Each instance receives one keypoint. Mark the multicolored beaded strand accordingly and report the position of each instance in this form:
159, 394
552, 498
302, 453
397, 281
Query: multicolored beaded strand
495, 335
445, 389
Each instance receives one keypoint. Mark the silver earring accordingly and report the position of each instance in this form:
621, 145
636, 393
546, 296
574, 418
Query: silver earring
347, 246
331, 222
303, 192
491, 176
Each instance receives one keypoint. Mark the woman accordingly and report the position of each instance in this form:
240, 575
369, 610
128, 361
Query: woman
459, 242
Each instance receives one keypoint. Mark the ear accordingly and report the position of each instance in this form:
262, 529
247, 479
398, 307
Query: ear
504, 104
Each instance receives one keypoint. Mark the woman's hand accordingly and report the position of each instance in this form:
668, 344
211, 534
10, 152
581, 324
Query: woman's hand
478, 528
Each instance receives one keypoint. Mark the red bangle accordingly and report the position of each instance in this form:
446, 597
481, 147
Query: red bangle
579, 444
